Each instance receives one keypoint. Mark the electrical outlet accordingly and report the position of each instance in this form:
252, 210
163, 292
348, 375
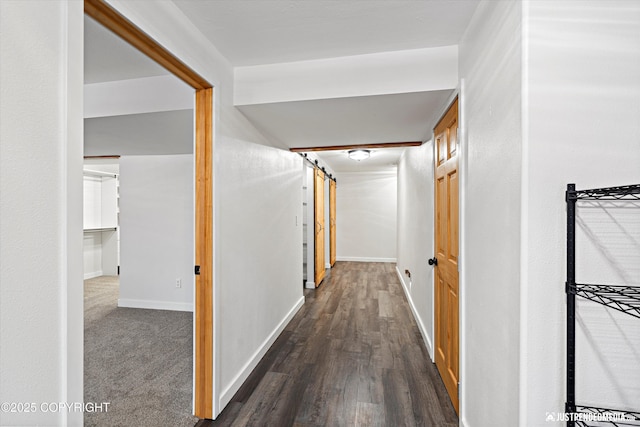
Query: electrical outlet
178, 283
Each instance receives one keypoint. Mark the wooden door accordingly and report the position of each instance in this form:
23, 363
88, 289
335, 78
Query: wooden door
446, 244
332, 222
318, 215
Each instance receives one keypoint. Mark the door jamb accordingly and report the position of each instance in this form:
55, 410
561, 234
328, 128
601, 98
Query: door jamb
203, 341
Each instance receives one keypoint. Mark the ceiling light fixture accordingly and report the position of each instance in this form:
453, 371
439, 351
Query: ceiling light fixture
359, 154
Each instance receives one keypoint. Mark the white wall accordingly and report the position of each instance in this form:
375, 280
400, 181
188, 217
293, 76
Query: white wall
490, 69
157, 232
137, 96
110, 239
583, 87
259, 253
579, 97
366, 216
415, 234
41, 326
92, 255
414, 70
92, 201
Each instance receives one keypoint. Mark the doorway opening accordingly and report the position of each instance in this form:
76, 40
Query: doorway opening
108, 17
318, 222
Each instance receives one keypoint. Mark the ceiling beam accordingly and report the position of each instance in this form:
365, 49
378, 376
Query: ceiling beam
102, 157
357, 147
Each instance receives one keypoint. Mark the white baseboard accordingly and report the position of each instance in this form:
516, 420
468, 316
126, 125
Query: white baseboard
155, 305
365, 259
310, 285
423, 331
240, 378
327, 265
92, 275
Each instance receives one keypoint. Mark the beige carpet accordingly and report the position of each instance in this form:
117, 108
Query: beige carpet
138, 360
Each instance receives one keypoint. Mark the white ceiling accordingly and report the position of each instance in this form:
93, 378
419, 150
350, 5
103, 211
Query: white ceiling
108, 58
381, 159
348, 121
250, 32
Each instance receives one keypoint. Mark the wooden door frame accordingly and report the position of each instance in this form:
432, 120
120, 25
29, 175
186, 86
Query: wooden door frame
455, 98
203, 341
332, 222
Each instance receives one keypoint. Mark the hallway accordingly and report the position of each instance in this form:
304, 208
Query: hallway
353, 355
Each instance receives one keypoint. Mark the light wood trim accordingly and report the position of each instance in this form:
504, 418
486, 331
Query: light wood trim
114, 21
204, 255
358, 147
121, 26
332, 222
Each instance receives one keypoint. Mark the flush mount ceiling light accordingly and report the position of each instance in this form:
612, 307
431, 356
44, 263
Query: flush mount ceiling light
359, 154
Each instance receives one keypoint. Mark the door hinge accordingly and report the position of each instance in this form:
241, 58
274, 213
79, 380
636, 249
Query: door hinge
458, 390
197, 270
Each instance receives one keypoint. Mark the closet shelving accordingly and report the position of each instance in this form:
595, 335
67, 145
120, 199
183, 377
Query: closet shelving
100, 222
619, 297
101, 209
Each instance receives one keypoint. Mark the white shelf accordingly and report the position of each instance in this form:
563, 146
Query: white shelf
99, 173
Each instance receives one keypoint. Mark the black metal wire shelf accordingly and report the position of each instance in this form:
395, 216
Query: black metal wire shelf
623, 298
615, 417
619, 297
625, 192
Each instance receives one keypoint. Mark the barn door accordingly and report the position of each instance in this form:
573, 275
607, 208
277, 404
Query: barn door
318, 191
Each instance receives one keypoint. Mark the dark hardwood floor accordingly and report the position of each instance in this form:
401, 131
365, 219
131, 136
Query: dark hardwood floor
352, 356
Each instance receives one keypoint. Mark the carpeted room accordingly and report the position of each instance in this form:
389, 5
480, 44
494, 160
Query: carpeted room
138, 341
139, 360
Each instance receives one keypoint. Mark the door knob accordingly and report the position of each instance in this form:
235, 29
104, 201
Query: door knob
433, 261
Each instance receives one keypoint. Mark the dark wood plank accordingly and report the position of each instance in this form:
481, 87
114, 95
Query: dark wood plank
385, 304
262, 401
370, 415
397, 398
